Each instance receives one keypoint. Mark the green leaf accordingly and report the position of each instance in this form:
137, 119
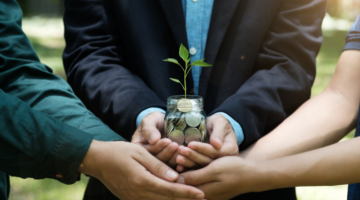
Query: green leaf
172, 60
175, 80
183, 53
201, 63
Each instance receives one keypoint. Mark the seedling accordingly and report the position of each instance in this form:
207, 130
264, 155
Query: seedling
184, 54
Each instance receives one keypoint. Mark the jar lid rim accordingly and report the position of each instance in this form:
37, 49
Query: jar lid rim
190, 97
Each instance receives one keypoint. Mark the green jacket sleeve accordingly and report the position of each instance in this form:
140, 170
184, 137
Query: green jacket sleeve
23, 76
33, 144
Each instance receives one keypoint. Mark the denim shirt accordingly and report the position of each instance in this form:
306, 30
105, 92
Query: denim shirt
353, 43
198, 16
353, 37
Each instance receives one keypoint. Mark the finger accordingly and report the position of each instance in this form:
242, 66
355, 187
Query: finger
180, 168
151, 134
212, 189
173, 190
196, 177
150, 127
150, 194
138, 137
167, 153
157, 147
181, 160
204, 149
155, 166
172, 161
221, 128
196, 157
162, 197
230, 148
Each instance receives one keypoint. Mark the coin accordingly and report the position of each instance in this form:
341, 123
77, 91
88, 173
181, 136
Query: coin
177, 136
192, 134
193, 119
169, 127
184, 105
180, 123
202, 129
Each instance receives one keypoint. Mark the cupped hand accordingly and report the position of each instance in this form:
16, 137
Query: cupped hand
223, 142
148, 135
225, 178
130, 172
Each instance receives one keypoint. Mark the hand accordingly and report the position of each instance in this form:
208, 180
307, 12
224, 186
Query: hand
148, 135
130, 172
223, 142
226, 178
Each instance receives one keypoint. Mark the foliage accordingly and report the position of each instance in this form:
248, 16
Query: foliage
184, 54
45, 8
348, 9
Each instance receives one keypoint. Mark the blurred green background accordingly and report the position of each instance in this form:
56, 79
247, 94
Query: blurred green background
43, 25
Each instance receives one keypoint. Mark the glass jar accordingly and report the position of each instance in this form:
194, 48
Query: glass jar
185, 120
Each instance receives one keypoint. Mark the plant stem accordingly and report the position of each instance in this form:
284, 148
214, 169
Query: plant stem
185, 85
185, 75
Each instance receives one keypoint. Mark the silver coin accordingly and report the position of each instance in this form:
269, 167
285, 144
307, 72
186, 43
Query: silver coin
184, 105
192, 134
180, 123
202, 129
172, 120
177, 136
169, 127
193, 119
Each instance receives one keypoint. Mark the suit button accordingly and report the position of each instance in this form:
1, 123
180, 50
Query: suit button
192, 51
195, 1
59, 176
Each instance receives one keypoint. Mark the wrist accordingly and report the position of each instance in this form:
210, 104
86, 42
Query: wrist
92, 160
274, 175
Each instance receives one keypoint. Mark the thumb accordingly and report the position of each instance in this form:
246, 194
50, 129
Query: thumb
220, 130
149, 128
151, 134
195, 178
156, 167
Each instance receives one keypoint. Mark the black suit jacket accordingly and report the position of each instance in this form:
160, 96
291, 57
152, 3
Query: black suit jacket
263, 54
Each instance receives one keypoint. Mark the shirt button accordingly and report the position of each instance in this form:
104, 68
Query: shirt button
192, 51
195, 1
59, 176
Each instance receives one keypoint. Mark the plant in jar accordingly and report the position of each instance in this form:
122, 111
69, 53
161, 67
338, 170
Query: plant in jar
185, 120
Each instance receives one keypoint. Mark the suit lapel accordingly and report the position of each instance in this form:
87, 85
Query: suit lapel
223, 11
174, 14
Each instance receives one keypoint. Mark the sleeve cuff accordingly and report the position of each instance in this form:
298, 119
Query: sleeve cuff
355, 45
67, 154
144, 113
353, 37
236, 126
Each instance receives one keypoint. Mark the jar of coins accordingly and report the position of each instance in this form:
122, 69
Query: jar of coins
185, 120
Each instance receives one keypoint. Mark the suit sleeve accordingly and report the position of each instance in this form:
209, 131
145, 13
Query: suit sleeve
284, 71
35, 145
96, 69
23, 76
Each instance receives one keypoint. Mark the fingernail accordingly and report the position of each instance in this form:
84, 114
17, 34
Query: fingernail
152, 138
181, 180
171, 174
182, 161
